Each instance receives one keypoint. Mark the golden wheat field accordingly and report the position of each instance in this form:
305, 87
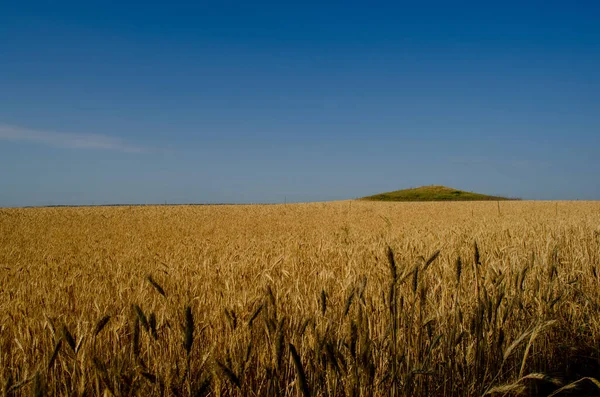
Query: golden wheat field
348, 298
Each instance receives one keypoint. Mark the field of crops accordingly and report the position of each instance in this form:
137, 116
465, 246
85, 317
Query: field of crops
347, 298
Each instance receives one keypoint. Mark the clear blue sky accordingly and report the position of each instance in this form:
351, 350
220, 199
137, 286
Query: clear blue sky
126, 102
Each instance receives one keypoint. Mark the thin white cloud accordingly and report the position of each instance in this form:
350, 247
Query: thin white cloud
67, 140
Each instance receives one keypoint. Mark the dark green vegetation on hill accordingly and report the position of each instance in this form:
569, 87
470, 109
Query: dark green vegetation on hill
431, 193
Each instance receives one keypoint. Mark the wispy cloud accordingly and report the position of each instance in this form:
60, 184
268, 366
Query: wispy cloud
67, 140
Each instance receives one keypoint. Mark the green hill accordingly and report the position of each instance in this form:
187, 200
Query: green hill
431, 193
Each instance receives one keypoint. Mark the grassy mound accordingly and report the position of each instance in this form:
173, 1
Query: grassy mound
431, 193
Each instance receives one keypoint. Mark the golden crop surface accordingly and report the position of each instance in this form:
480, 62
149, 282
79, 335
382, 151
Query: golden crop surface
323, 299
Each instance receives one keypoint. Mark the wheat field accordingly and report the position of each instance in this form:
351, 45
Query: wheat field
347, 298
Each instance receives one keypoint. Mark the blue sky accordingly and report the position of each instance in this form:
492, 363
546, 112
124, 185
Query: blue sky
204, 102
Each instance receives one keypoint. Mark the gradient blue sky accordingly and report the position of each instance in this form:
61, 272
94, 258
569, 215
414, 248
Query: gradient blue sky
127, 102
